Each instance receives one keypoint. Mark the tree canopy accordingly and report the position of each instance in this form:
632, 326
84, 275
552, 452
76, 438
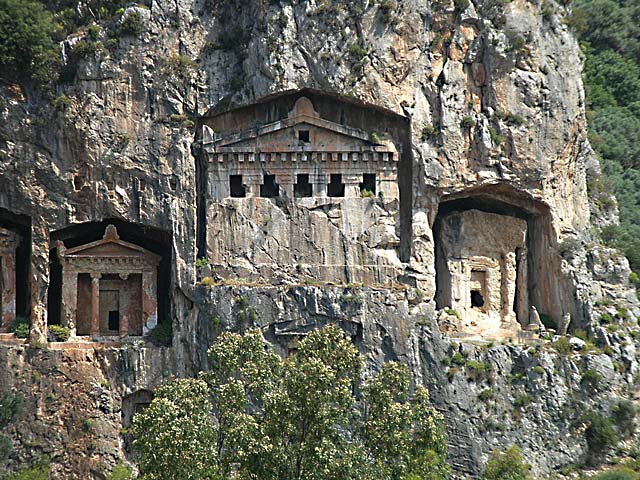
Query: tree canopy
609, 32
257, 416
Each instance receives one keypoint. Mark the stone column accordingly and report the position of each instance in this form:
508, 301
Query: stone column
351, 185
8, 293
252, 184
508, 285
149, 302
522, 288
319, 182
95, 304
69, 299
124, 297
286, 183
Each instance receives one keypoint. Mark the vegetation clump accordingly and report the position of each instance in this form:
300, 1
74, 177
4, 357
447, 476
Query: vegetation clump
609, 34
600, 434
256, 415
27, 49
508, 465
59, 333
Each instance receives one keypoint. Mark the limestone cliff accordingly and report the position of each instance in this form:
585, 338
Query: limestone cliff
494, 108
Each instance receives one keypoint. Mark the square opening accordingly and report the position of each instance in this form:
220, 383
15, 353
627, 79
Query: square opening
114, 320
303, 136
237, 188
269, 187
368, 185
302, 187
335, 187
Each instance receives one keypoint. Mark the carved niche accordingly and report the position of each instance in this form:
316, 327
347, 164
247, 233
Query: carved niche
109, 287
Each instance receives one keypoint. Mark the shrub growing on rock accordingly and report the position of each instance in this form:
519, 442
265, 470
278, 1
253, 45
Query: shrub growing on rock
507, 465
600, 434
58, 333
617, 474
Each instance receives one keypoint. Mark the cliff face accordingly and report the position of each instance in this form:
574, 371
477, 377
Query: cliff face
495, 106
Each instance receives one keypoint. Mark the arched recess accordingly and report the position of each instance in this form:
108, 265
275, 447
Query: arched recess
14, 269
544, 287
154, 240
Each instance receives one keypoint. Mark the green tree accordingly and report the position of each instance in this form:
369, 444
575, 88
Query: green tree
609, 32
507, 465
257, 416
175, 436
403, 432
27, 51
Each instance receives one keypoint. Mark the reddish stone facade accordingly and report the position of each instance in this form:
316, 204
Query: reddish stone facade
109, 288
8, 244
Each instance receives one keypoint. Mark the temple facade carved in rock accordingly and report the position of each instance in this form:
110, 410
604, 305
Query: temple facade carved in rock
303, 186
483, 266
108, 288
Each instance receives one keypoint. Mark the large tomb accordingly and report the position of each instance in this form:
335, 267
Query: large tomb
8, 245
108, 287
303, 186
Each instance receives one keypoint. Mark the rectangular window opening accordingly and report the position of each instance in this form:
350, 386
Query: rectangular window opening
269, 187
302, 187
336, 187
236, 186
368, 185
303, 136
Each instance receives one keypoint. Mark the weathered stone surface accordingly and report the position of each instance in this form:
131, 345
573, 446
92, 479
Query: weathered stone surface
496, 111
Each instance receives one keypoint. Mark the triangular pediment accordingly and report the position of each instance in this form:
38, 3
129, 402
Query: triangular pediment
286, 130
286, 137
108, 249
110, 246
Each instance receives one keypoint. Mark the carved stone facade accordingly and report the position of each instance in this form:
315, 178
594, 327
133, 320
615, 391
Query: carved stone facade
304, 187
109, 287
300, 156
8, 244
483, 270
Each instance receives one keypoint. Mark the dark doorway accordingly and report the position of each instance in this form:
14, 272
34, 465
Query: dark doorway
476, 299
368, 185
269, 187
237, 188
114, 320
302, 187
336, 187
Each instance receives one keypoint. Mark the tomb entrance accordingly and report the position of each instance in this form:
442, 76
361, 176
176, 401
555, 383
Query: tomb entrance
108, 287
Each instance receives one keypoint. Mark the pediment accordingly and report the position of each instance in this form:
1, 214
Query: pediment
110, 246
108, 249
286, 137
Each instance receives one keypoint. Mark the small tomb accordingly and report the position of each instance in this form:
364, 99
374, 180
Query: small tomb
483, 270
109, 287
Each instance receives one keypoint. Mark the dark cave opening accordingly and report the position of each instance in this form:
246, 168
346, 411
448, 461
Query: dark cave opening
476, 299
